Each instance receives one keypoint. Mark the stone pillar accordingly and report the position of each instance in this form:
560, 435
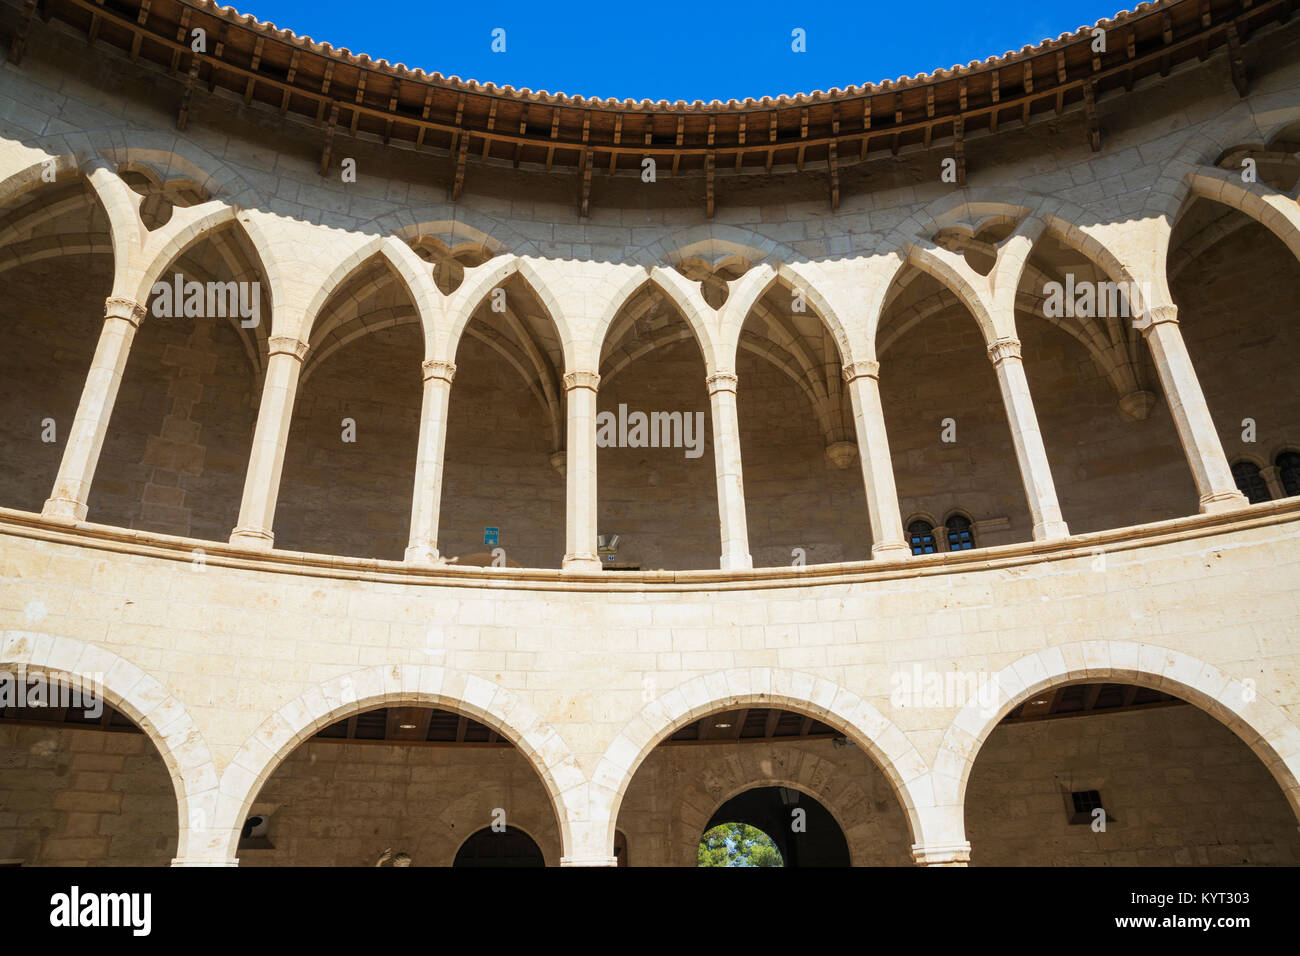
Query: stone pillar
1214, 482
580, 472
1272, 476
941, 854
1030, 453
726, 461
67, 501
266, 460
888, 542
427, 499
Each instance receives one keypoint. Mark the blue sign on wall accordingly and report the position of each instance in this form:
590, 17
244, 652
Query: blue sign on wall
492, 536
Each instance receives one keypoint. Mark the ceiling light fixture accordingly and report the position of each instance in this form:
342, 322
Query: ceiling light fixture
406, 726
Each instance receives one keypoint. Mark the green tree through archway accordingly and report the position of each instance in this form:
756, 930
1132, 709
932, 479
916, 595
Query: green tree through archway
737, 844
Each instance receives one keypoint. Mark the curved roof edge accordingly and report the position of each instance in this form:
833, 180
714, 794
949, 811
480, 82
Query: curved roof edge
365, 61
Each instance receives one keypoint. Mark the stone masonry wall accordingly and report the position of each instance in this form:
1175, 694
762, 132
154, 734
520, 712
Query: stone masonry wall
84, 798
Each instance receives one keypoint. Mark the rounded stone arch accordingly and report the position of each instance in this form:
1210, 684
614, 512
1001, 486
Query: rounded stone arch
412, 685
159, 714
696, 822
1263, 726
873, 733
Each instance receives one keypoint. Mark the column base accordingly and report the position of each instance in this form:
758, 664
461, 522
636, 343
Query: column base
581, 563
588, 861
941, 854
1051, 531
254, 539
736, 562
64, 510
424, 554
890, 551
1223, 501
203, 861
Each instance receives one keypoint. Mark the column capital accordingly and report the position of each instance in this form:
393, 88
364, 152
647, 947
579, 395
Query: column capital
941, 854
287, 345
120, 307
1003, 349
437, 368
866, 368
722, 382
581, 379
1157, 315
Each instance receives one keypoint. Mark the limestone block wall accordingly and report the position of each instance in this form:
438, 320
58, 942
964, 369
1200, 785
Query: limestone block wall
1178, 787
84, 798
336, 804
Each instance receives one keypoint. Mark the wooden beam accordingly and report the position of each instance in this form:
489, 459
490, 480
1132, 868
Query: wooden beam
19, 45
324, 89
805, 727
584, 205
1237, 63
293, 71
213, 68
709, 161
740, 722
462, 156
959, 149
183, 117
1090, 698
182, 39
740, 153
462, 724
138, 36
254, 67
677, 156
329, 138
769, 726
832, 163
1090, 113
360, 100
555, 132
491, 125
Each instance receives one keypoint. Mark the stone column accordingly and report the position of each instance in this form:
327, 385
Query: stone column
726, 461
1030, 453
580, 472
1272, 476
67, 501
941, 854
1214, 482
266, 460
888, 542
426, 502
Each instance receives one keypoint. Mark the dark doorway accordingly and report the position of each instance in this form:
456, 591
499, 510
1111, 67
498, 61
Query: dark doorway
508, 847
810, 838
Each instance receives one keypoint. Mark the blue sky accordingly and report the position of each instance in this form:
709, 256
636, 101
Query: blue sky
659, 50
